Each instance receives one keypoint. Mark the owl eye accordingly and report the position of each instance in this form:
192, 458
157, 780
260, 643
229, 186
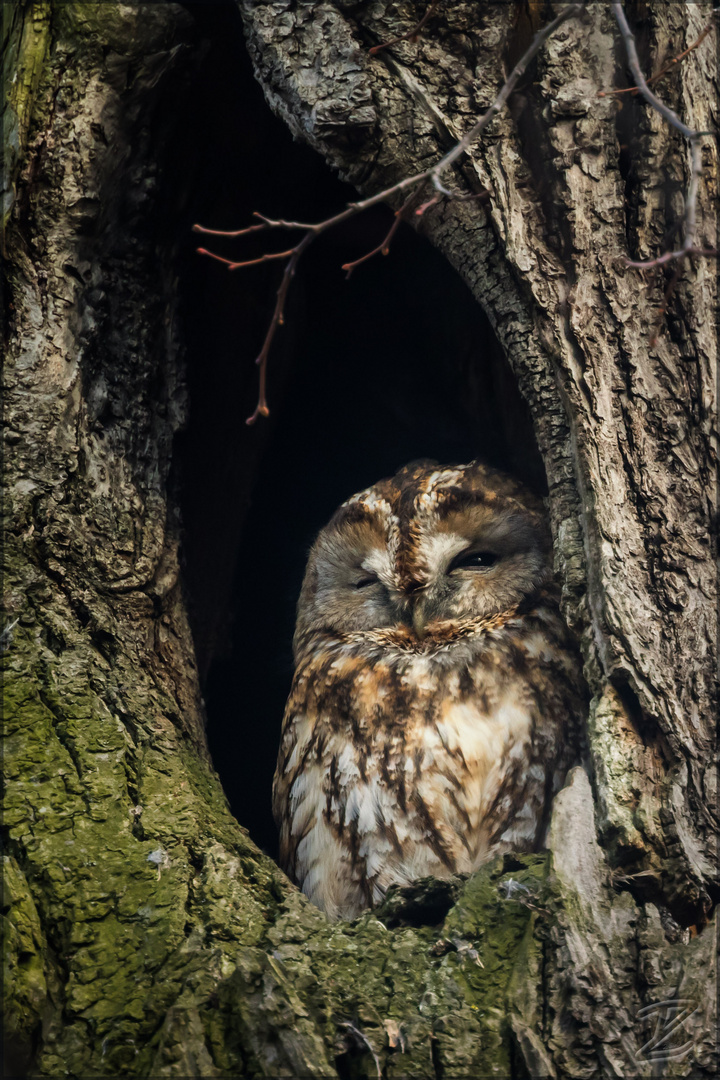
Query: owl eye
474, 560
369, 579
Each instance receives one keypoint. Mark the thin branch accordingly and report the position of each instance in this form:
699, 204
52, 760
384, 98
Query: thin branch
629, 41
223, 232
261, 409
412, 35
409, 184
382, 249
670, 256
669, 66
384, 246
689, 247
506, 90
428, 204
248, 262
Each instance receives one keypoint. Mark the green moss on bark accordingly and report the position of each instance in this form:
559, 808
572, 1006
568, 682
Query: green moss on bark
26, 39
422, 998
24, 948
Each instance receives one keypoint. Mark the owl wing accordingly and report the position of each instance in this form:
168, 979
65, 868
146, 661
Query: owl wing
314, 803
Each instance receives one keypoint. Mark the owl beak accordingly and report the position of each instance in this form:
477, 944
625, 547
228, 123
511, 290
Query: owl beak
415, 593
419, 619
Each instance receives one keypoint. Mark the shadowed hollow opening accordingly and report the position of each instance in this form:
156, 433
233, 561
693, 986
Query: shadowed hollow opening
397, 363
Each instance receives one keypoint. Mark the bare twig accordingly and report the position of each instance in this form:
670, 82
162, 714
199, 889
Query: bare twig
410, 184
383, 247
412, 35
261, 409
669, 256
414, 184
427, 205
505, 91
669, 66
237, 232
366, 1041
629, 40
693, 137
248, 262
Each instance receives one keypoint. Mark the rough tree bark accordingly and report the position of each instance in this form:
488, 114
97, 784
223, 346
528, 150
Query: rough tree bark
145, 934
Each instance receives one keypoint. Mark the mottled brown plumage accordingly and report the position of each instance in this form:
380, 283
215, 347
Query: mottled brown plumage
436, 702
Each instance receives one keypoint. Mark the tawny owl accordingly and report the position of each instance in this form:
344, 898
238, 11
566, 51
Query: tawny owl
437, 701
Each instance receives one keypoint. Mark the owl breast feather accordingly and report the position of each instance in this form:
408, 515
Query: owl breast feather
402, 762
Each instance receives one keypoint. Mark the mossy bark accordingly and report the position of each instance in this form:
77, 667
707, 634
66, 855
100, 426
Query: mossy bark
145, 934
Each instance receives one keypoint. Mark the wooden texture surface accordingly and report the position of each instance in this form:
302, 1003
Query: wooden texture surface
146, 934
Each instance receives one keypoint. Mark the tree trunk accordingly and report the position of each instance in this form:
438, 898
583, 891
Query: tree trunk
146, 935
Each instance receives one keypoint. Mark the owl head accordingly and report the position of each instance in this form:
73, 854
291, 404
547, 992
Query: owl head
429, 546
